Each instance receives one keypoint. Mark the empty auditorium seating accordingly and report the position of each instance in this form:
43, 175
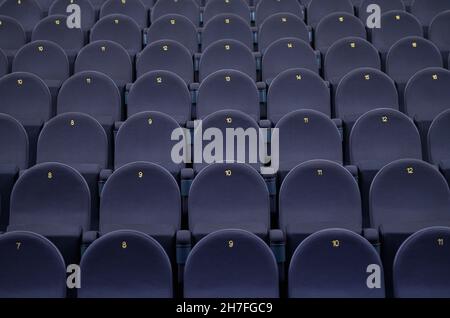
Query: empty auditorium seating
426, 96
385, 6
228, 89
222, 120
216, 7
265, 8
251, 269
316, 195
92, 93
406, 196
227, 54
174, 27
12, 36
437, 33
106, 57
187, 8
379, 137
160, 91
228, 195
305, 135
227, 26
17, 90
282, 25
336, 26
437, 142
13, 158
408, 56
52, 199
334, 263
134, 9
146, 136
166, 55
346, 55
396, 25
87, 11
318, 9
27, 13
54, 28
362, 90
20, 250
285, 54
125, 264
297, 89
118, 28
45, 59
426, 10
421, 265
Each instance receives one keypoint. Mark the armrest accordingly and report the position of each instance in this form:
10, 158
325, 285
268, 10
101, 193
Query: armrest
265, 123
278, 245
190, 124
340, 126
255, 34
310, 33
318, 58
258, 56
271, 181
193, 88
183, 246
117, 125
353, 170
372, 235
103, 177
88, 237
302, 9
444, 165
145, 31
197, 57
187, 176
262, 91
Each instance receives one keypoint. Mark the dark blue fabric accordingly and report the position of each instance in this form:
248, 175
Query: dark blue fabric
266, 8
336, 26
227, 26
231, 264
186, 8
281, 25
320, 269
121, 29
147, 136
46, 279
228, 195
227, 54
287, 53
305, 135
160, 91
174, 27
216, 7
422, 264
125, 264
316, 195
167, 55
134, 9
52, 199
297, 89
228, 89
17, 89
145, 197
